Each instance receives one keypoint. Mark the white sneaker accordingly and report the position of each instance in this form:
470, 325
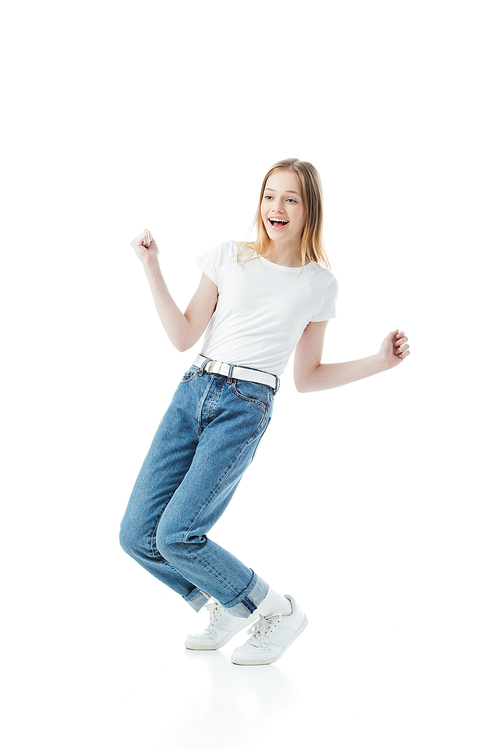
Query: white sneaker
271, 636
221, 627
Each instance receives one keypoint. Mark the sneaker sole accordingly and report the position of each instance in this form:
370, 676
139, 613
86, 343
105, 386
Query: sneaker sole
229, 636
240, 660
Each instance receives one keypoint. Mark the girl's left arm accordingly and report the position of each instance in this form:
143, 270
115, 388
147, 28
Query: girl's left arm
310, 374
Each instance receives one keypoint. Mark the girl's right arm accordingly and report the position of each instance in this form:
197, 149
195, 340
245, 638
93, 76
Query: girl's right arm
182, 329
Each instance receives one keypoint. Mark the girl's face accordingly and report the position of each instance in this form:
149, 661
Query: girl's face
282, 209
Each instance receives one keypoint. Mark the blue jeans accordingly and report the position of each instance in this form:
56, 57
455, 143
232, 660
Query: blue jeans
204, 444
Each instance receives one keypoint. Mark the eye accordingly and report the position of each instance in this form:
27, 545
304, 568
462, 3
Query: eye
266, 197
292, 199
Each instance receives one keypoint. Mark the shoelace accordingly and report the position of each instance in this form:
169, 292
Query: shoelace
262, 630
215, 611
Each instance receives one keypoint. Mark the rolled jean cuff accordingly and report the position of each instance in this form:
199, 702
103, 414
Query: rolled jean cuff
197, 599
246, 603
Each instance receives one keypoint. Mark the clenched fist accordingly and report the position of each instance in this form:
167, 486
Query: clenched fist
395, 348
145, 247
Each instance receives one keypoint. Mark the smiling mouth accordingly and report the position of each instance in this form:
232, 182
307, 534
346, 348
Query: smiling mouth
278, 223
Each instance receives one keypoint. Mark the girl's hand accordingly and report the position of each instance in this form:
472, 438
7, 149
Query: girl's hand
394, 348
145, 247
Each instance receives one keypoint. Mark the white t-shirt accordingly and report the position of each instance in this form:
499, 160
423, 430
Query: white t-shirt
262, 308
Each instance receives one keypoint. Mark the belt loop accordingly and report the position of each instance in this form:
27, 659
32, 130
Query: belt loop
230, 373
277, 384
201, 370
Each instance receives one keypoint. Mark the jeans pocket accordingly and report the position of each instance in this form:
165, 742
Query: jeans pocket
188, 376
253, 392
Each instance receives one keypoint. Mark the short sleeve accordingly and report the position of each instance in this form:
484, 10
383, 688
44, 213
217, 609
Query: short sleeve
327, 308
210, 262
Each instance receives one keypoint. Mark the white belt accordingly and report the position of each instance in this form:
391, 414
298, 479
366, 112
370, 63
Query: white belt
238, 373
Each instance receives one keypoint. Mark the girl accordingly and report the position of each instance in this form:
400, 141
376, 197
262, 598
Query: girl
260, 301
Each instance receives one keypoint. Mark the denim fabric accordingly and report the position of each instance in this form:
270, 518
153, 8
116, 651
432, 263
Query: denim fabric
203, 445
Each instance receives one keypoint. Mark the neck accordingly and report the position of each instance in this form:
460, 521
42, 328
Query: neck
283, 253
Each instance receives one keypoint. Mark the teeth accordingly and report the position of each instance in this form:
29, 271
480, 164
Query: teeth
278, 220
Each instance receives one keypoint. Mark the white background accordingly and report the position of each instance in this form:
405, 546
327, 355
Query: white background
374, 504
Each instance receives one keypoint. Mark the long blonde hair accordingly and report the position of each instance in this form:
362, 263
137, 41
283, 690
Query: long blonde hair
311, 243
